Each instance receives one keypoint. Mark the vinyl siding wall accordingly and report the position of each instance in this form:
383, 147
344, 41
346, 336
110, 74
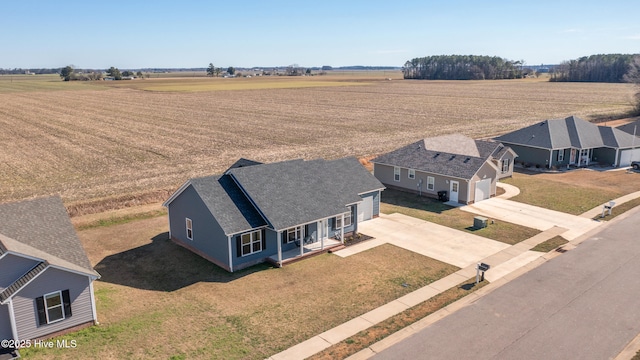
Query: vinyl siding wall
384, 173
606, 156
5, 323
535, 155
24, 304
486, 172
208, 236
12, 267
509, 172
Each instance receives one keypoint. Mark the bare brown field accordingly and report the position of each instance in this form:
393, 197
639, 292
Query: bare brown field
90, 145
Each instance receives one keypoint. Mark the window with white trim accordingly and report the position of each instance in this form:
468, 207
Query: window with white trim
347, 219
396, 173
251, 242
412, 173
505, 165
189, 225
53, 307
431, 183
561, 155
293, 234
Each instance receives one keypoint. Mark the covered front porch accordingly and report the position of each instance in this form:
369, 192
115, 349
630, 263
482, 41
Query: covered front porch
305, 250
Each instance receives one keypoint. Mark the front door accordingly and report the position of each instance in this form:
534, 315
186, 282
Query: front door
453, 191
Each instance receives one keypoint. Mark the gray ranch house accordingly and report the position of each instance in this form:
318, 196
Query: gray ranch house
46, 279
572, 142
274, 212
465, 168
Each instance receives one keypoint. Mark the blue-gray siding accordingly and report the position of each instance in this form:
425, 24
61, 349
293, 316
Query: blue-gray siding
208, 236
12, 267
50, 280
5, 324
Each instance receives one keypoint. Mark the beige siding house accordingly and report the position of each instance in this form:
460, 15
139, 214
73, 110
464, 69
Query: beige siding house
455, 167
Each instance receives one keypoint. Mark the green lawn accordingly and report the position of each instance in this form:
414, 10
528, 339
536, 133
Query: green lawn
550, 244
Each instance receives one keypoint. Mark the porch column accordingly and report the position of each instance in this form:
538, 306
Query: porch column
342, 230
321, 225
550, 158
302, 241
354, 218
279, 240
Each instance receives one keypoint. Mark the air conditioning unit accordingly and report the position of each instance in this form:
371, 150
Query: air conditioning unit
479, 222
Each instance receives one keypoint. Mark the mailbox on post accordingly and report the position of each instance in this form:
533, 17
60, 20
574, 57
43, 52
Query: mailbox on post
608, 208
481, 267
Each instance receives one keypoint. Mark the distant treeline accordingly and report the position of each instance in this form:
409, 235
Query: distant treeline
17, 71
610, 68
462, 67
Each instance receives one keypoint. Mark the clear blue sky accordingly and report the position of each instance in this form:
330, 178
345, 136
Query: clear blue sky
245, 33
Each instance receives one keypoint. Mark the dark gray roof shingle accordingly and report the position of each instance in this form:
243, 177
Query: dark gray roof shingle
296, 192
44, 224
227, 203
425, 155
566, 133
630, 127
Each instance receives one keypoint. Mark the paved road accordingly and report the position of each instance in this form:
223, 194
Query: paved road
581, 305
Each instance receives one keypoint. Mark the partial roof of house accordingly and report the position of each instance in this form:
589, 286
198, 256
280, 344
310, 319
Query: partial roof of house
41, 228
233, 211
631, 127
570, 132
242, 162
462, 159
296, 192
22, 281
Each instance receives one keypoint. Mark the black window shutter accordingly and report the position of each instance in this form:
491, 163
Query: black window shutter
42, 317
238, 246
66, 300
264, 239
306, 230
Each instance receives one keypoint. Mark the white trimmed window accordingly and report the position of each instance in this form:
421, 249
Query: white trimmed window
347, 219
293, 234
251, 243
396, 173
561, 155
505, 165
430, 183
189, 225
54, 307
412, 173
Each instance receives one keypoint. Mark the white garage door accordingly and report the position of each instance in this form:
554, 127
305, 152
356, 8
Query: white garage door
365, 209
626, 156
483, 190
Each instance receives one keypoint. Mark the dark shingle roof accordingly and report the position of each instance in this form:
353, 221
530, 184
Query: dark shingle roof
629, 128
566, 133
463, 159
23, 280
242, 162
227, 203
295, 192
42, 225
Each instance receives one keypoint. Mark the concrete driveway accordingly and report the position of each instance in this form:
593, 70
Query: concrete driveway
439, 242
532, 216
